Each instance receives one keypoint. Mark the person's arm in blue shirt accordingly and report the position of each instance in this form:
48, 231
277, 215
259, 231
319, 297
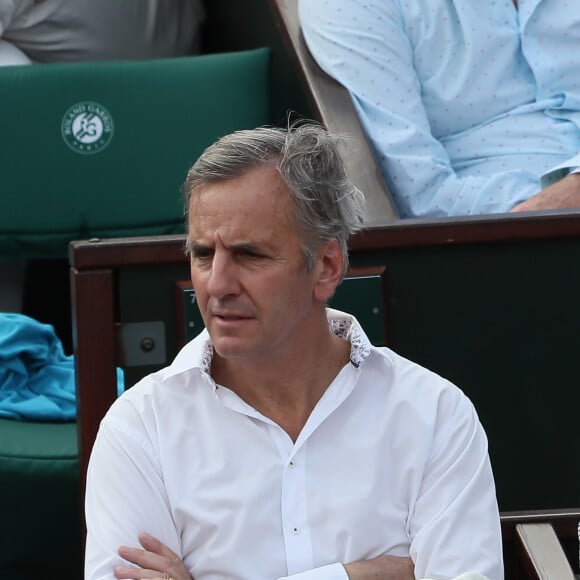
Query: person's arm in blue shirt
365, 47
562, 194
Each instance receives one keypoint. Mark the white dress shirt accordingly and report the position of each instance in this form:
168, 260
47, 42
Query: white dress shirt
393, 460
470, 106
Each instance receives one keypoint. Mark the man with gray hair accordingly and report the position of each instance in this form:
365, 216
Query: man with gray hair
280, 443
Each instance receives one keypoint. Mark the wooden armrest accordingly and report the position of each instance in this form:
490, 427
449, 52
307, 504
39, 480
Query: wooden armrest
542, 553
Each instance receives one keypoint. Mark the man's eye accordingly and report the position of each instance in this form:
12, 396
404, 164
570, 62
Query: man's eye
201, 255
251, 255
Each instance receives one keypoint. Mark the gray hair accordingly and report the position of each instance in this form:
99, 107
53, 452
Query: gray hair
327, 205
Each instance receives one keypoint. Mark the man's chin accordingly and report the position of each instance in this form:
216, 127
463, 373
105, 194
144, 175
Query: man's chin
230, 349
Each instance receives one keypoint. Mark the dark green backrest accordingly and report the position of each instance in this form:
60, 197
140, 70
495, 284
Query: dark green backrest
102, 149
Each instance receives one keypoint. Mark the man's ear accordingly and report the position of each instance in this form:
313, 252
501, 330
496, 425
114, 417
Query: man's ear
329, 269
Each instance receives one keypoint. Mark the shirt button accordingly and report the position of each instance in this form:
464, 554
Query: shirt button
291, 464
295, 531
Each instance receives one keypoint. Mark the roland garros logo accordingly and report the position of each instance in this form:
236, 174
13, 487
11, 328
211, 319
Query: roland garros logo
87, 127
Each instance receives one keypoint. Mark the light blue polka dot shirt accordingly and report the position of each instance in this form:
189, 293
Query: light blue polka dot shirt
471, 106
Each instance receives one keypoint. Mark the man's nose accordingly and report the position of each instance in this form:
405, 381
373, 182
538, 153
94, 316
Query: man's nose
223, 278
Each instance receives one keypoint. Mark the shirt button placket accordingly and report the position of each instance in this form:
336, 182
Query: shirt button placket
294, 517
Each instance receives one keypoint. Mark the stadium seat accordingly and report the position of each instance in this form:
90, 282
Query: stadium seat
101, 149
95, 150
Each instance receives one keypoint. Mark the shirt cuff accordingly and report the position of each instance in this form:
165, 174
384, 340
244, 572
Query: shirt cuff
337, 572
571, 165
466, 576
330, 572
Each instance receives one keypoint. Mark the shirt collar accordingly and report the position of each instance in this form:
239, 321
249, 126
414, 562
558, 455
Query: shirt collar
347, 326
198, 353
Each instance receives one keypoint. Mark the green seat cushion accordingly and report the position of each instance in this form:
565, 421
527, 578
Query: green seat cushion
101, 149
41, 504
